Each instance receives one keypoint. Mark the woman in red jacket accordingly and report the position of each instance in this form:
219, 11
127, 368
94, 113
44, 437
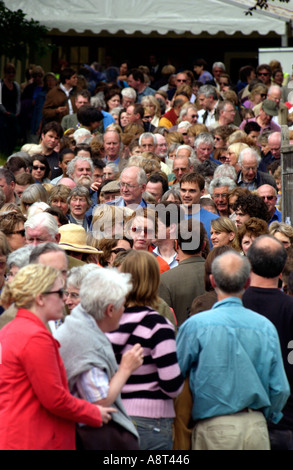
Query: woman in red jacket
37, 411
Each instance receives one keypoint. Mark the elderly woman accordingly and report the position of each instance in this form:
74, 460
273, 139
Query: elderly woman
37, 410
249, 231
73, 283
33, 193
79, 202
224, 232
91, 367
283, 232
148, 395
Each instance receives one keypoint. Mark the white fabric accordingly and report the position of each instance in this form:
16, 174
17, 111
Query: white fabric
196, 16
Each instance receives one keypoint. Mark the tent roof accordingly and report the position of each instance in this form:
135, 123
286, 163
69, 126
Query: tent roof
146, 16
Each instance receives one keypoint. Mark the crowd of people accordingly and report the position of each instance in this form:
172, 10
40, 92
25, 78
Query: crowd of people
146, 271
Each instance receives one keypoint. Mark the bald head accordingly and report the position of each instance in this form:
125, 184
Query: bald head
267, 257
230, 273
274, 141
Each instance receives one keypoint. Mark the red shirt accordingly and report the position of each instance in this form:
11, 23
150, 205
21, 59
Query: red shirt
37, 411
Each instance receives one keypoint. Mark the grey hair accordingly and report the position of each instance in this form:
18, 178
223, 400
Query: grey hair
204, 138
37, 207
20, 257
174, 192
231, 278
249, 151
43, 248
185, 109
43, 219
77, 274
113, 166
102, 287
220, 181
187, 147
147, 135
207, 91
225, 170
97, 101
33, 193
71, 164
80, 191
220, 65
141, 175
116, 110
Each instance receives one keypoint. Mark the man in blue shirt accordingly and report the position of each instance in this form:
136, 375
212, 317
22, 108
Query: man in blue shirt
191, 189
233, 359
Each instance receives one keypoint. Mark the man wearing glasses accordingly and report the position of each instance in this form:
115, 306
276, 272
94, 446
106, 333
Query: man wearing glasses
269, 195
249, 176
133, 182
264, 73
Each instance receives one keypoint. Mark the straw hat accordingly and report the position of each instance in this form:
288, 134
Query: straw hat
73, 238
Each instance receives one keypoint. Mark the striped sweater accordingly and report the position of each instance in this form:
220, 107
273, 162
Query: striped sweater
150, 390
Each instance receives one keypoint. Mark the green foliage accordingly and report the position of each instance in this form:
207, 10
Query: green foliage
19, 36
262, 5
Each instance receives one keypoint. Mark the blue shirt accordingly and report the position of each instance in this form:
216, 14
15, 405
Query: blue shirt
233, 360
205, 217
277, 216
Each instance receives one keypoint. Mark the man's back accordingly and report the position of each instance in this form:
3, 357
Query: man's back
233, 357
278, 308
180, 285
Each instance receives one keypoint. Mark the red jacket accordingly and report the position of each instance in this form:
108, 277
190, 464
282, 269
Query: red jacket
37, 411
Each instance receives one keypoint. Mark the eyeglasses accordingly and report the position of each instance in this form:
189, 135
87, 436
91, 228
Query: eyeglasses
73, 295
117, 250
222, 158
181, 80
247, 168
37, 167
145, 230
269, 198
218, 196
265, 74
128, 186
60, 292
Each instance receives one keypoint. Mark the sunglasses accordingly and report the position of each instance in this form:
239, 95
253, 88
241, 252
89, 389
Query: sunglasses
117, 250
37, 167
269, 198
60, 292
265, 74
18, 232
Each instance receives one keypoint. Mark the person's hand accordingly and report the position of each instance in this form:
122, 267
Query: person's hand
106, 413
61, 109
95, 186
133, 358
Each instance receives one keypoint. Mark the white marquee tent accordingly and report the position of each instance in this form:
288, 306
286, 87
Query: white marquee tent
146, 16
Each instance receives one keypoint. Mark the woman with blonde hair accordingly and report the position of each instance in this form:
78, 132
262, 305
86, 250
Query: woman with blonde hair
33, 193
283, 232
153, 105
224, 232
37, 410
148, 396
257, 95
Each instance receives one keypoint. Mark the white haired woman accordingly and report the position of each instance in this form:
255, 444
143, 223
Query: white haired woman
37, 410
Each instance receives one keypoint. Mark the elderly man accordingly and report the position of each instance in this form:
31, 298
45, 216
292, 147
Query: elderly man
208, 100
204, 146
181, 164
267, 257
135, 79
80, 170
225, 114
128, 97
275, 94
41, 228
249, 176
274, 154
161, 149
147, 142
219, 189
231, 408
133, 181
188, 113
269, 194
267, 111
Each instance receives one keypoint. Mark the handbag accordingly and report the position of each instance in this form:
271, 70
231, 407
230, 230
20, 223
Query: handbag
110, 436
